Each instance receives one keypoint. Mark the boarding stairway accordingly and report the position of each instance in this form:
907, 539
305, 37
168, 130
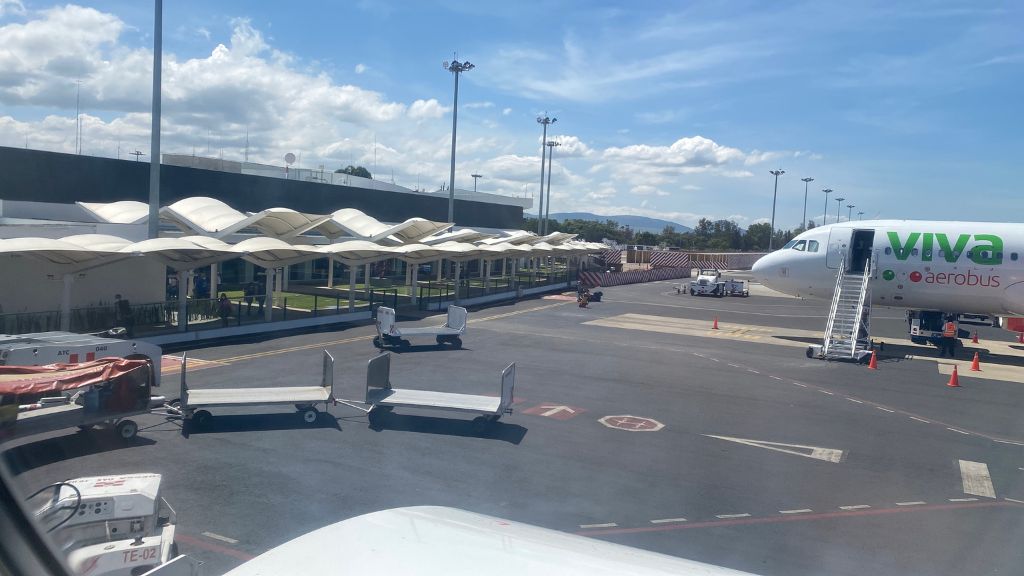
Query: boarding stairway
848, 334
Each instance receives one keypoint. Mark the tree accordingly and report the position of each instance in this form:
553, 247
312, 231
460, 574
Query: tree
756, 238
355, 171
647, 238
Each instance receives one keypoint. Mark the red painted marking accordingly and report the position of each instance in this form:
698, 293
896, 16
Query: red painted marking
90, 356
796, 518
73, 359
190, 541
556, 411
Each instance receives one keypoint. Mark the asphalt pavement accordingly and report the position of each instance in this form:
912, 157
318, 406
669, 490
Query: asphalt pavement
635, 421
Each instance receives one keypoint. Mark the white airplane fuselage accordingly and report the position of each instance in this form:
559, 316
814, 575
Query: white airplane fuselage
965, 267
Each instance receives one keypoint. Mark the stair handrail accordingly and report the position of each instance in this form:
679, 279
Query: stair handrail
864, 289
827, 344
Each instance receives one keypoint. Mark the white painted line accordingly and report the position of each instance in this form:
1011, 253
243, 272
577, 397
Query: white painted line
713, 359
800, 511
963, 499
775, 378
735, 365
1020, 468
854, 400
920, 419
727, 516
976, 479
605, 525
668, 520
826, 392
1014, 500
827, 454
799, 384
1010, 442
958, 431
219, 537
855, 507
914, 503
884, 409
752, 370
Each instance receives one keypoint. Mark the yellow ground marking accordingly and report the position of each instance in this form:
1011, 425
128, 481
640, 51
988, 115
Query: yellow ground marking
791, 336
314, 345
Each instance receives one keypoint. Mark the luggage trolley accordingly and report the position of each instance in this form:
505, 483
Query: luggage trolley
380, 397
194, 405
389, 334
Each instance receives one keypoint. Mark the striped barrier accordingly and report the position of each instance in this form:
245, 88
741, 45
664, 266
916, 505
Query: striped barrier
669, 259
612, 256
632, 277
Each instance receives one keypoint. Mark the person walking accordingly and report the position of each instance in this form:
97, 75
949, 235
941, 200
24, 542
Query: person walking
123, 316
948, 338
224, 306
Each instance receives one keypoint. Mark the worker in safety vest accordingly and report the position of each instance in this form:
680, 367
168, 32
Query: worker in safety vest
948, 338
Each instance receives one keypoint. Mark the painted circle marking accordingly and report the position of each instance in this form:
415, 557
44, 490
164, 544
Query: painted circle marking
888, 275
915, 276
631, 423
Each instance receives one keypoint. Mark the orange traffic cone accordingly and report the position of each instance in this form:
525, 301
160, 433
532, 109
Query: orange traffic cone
715, 325
873, 364
974, 340
954, 380
976, 364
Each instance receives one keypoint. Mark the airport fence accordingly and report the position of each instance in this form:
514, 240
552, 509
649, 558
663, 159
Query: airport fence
632, 277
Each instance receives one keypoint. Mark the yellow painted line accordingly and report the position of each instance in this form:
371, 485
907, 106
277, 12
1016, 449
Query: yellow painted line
266, 353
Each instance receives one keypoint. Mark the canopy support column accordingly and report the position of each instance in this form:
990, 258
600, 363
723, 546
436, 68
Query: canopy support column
268, 296
65, 303
366, 281
213, 280
184, 289
330, 272
414, 274
438, 267
352, 269
458, 272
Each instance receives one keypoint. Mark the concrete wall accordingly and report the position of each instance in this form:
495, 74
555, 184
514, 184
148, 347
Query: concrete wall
65, 178
29, 285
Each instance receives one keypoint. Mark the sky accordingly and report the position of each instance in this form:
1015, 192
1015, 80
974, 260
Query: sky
676, 110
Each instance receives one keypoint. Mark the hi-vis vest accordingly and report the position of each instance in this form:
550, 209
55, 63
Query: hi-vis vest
949, 331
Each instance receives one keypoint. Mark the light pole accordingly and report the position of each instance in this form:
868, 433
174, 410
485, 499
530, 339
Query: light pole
475, 178
456, 68
154, 131
860, 215
838, 208
545, 120
551, 164
824, 215
775, 173
849, 215
803, 223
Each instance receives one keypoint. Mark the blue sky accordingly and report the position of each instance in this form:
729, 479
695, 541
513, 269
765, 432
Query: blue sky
665, 109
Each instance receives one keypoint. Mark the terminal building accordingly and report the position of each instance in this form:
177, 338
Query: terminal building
73, 235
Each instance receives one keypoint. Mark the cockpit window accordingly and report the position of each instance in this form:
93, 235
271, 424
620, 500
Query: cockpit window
812, 245
801, 245
789, 244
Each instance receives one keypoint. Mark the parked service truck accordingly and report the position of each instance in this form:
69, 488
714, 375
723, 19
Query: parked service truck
709, 282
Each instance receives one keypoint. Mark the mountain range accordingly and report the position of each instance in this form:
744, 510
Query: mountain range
637, 223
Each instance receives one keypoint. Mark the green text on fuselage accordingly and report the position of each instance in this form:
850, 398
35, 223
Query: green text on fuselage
983, 249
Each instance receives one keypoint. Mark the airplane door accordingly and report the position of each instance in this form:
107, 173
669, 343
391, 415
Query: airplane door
838, 240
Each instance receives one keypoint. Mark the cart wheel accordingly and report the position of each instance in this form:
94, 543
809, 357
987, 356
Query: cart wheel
810, 352
310, 415
404, 343
202, 418
480, 424
375, 416
127, 429
693, 292
441, 340
377, 343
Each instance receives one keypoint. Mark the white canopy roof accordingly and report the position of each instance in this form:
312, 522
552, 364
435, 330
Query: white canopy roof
271, 252
186, 252
211, 217
57, 251
123, 212
460, 235
358, 251
365, 227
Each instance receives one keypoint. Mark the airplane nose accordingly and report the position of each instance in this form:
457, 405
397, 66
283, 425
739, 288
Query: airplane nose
762, 268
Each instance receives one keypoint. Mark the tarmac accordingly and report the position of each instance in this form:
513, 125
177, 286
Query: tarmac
635, 422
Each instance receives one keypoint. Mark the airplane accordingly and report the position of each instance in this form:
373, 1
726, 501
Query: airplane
932, 268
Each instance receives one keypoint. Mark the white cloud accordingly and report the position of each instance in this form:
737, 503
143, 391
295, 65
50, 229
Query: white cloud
475, 105
424, 109
645, 190
14, 7
360, 68
506, 111
690, 187
688, 155
570, 147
